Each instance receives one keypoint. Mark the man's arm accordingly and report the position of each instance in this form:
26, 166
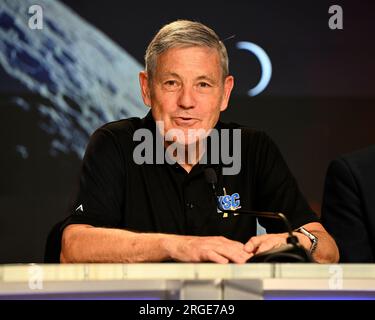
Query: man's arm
326, 251
85, 243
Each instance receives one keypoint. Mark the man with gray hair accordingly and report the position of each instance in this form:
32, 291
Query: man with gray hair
137, 204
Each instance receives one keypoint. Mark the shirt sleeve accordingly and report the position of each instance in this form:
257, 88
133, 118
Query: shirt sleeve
277, 189
99, 199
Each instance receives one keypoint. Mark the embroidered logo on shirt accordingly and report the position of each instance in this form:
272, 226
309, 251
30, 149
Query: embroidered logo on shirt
228, 202
80, 208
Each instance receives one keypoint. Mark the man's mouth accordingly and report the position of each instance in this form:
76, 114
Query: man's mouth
185, 121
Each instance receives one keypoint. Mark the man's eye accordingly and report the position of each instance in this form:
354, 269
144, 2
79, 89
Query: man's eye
204, 85
171, 83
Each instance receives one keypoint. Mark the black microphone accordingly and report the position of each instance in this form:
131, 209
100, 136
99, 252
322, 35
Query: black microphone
211, 179
292, 252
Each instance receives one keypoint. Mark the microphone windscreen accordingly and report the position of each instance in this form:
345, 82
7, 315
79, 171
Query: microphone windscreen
211, 176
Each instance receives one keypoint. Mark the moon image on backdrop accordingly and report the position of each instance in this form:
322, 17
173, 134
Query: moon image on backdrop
82, 77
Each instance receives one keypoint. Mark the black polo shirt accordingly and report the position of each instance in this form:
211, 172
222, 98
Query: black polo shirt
116, 192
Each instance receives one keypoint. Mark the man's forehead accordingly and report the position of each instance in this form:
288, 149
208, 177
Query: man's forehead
191, 53
198, 76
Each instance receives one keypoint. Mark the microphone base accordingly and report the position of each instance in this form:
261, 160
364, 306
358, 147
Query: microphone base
290, 253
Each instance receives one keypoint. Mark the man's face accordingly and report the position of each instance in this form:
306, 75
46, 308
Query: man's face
187, 90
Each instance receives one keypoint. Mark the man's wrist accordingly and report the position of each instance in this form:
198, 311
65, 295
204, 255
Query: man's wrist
303, 240
313, 239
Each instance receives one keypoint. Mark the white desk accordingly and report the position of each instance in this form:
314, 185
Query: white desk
187, 281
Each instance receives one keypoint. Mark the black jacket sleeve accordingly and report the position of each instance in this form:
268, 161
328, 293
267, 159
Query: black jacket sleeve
342, 213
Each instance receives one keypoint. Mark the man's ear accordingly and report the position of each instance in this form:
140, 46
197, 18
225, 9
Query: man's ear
145, 88
228, 86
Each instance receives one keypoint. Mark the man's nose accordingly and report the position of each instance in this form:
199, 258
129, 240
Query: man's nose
186, 98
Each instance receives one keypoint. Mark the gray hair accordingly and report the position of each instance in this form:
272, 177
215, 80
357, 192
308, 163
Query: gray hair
184, 33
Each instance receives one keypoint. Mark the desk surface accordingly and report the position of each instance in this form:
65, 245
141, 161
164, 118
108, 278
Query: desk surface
180, 280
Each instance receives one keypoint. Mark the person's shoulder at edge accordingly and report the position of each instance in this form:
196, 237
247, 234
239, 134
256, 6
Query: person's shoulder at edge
362, 156
355, 162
